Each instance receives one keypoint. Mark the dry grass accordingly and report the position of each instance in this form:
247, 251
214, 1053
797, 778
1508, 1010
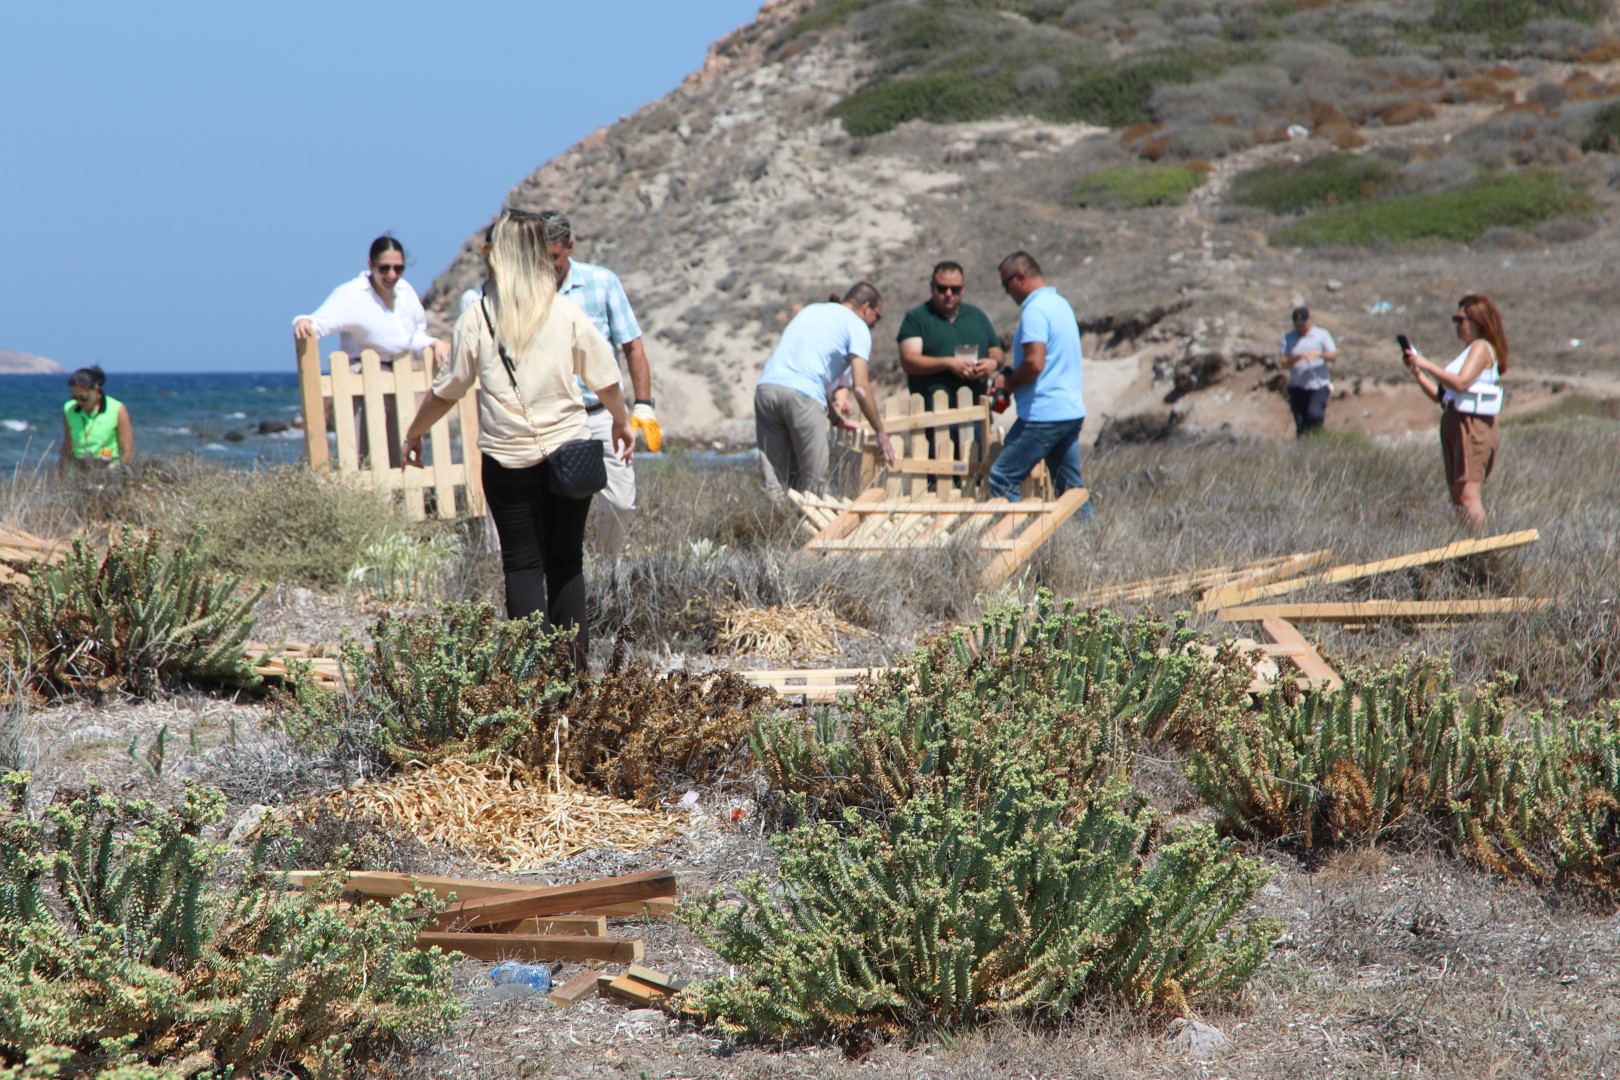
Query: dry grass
502, 815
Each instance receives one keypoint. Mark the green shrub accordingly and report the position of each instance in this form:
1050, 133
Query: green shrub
1575, 789
1131, 187
1076, 689
947, 97
1504, 20
1118, 95
1391, 753
1289, 188
989, 857
290, 524
826, 13
1605, 134
134, 619
1515, 200
117, 949
459, 683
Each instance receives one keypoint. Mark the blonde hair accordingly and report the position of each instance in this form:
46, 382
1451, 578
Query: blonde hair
525, 280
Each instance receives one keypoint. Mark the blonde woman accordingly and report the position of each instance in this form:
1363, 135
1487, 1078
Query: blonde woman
1470, 392
530, 406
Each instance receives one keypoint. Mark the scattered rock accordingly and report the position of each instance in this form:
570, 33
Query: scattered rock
1195, 1038
233, 436
271, 427
247, 824
1333, 285
1153, 425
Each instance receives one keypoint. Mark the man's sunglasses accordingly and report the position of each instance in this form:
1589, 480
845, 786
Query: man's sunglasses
947, 289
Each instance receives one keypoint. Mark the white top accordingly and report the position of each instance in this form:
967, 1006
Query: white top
545, 376
1309, 374
816, 349
1484, 397
470, 298
356, 313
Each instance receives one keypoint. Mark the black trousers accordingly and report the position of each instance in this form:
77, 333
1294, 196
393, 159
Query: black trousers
542, 547
1309, 407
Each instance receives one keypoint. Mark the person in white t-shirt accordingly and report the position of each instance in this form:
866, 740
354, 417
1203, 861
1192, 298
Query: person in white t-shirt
1307, 350
379, 311
791, 410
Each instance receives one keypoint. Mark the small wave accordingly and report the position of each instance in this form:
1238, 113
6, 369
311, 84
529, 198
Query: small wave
184, 429
236, 416
221, 447
14, 425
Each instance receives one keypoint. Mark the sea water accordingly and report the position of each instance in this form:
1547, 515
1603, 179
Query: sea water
216, 416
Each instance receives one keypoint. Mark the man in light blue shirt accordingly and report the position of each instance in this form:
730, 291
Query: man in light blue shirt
791, 412
1045, 382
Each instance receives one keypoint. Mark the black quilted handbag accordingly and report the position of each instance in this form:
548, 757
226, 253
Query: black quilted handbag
577, 470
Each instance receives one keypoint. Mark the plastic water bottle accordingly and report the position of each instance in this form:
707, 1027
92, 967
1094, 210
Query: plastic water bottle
510, 972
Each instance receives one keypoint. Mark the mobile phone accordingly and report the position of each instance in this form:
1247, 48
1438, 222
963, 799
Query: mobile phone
1400, 339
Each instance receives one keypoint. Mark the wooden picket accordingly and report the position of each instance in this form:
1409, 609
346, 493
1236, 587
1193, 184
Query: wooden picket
453, 469
909, 419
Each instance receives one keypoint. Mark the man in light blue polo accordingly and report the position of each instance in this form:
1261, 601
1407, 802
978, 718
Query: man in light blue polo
1045, 382
791, 414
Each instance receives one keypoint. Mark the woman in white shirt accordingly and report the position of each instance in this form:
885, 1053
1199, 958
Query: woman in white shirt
1470, 392
525, 413
379, 311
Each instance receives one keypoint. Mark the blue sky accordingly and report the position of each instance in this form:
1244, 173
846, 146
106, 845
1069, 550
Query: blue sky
179, 179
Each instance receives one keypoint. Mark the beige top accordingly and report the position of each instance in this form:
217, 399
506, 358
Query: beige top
545, 374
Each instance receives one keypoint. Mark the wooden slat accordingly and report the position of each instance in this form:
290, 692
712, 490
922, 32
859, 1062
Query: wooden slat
922, 505
1214, 577
581, 986
371, 388
534, 946
385, 885
1368, 610
472, 459
659, 907
1303, 655
312, 400
636, 992
1351, 572
344, 389
557, 900
444, 473
1030, 540
940, 418
842, 524
406, 383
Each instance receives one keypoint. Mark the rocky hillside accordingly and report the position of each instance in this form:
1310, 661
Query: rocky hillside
1185, 171
21, 363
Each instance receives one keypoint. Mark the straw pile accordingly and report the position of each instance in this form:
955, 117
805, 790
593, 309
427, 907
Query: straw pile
782, 633
504, 815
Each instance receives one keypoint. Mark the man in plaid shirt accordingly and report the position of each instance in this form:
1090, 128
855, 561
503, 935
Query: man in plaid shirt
598, 293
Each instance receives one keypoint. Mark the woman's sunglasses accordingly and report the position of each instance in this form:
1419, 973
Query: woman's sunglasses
390, 268
1458, 319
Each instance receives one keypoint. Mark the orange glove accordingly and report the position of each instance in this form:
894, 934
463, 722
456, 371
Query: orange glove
643, 420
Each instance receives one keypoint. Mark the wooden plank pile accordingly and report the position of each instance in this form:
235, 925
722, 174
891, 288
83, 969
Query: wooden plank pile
503, 921
276, 661
812, 685
876, 523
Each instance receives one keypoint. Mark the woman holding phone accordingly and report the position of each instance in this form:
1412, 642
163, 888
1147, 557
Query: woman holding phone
1469, 391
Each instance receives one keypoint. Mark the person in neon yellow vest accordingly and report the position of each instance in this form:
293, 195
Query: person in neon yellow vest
95, 426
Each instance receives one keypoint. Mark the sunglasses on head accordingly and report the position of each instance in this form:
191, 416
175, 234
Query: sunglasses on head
949, 289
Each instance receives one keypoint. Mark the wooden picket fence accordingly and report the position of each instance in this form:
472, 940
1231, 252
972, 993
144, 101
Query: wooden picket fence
957, 470
448, 486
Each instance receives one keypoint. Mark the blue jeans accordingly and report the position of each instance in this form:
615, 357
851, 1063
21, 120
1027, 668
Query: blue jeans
1057, 442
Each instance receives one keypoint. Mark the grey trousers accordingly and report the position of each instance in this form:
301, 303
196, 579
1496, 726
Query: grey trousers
791, 430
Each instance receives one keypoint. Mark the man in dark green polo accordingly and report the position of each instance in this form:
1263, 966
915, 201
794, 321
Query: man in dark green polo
946, 344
